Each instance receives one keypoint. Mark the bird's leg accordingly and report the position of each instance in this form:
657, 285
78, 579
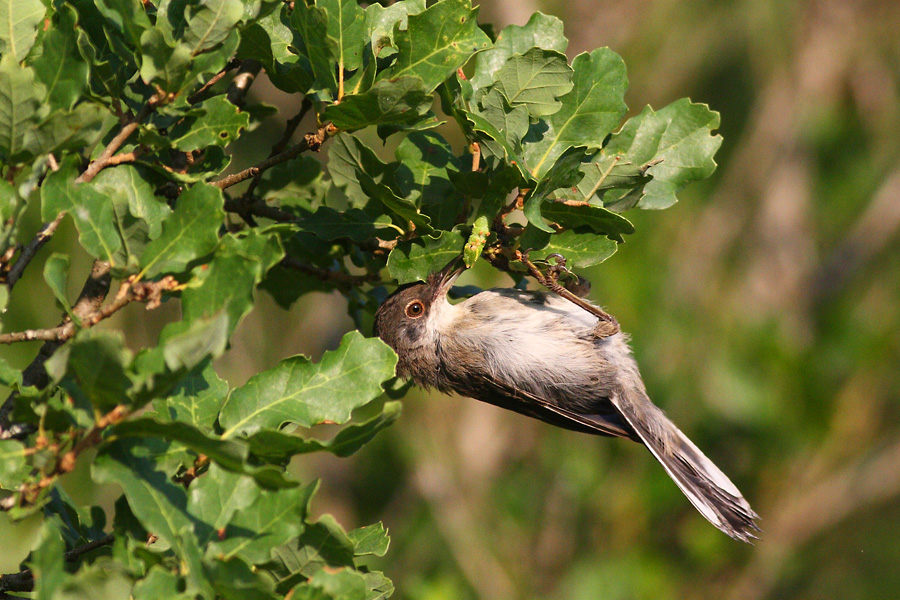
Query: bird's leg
606, 327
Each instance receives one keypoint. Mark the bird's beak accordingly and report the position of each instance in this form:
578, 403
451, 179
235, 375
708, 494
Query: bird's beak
446, 277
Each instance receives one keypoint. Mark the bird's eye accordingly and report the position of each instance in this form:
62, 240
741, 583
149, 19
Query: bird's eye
415, 309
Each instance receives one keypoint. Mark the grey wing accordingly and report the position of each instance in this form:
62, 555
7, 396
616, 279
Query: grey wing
506, 396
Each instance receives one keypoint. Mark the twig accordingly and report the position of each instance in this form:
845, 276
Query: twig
311, 141
289, 129
24, 580
92, 295
200, 94
31, 249
326, 275
103, 161
608, 326
241, 83
129, 292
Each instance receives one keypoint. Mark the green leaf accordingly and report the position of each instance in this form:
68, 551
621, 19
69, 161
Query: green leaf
565, 172
348, 159
589, 112
234, 579
274, 518
18, 105
271, 41
216, 123
197, 399
411, 219
158, 583
605, 172
346, 584
318, 49
370, 540
426, 161
346, 30
12, 464
600, 220
19, 21
163, 62
159, 504
541, 31
68, 129
60, 67
416, 260
581, 247
95, 364
129, 18
92, 211
48, 562
190, 233
56, 274
401, 101
276, 445
211, 22
501, 128
219, 494
381, 21
437, 42
536, 80
679, 136
329, 224
229, 280
127, 183
298, 391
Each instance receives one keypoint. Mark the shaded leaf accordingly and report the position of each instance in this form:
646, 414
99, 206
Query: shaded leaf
276, 445
401, 101
12, 464
381, 21
416, 260
600, 220
95, 364
319, 50
565, 172
346, 30
298, 391
159, 504
329, 224
60, 67
56, 274
196, 399
348, 159
409, 216
423, 176
581, 247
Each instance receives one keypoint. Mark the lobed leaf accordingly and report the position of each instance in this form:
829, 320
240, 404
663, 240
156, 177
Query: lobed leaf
190, 233
298, 391
536, 80
437, 42
401, 101
416, 260
589, 112
18, 105
19, 20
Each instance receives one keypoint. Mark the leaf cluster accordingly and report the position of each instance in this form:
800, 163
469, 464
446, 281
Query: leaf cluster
116, 114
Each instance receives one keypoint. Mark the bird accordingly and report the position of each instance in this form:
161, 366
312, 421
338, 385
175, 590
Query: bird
543, 356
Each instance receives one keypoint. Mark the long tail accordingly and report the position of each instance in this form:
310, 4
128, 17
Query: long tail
705, 485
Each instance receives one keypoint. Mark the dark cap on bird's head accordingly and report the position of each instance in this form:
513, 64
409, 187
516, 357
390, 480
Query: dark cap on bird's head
401, 320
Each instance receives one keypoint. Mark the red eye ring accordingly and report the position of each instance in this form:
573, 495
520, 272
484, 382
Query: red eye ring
415, 309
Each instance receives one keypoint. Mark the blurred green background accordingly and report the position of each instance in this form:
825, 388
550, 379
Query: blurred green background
764, 310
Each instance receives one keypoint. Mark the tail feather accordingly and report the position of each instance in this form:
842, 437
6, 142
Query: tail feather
704, 484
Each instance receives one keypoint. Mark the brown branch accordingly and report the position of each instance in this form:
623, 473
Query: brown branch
129, 292
200, 94
31, 249
24, 580
103, 161
289, 129
241, 83
311, 141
